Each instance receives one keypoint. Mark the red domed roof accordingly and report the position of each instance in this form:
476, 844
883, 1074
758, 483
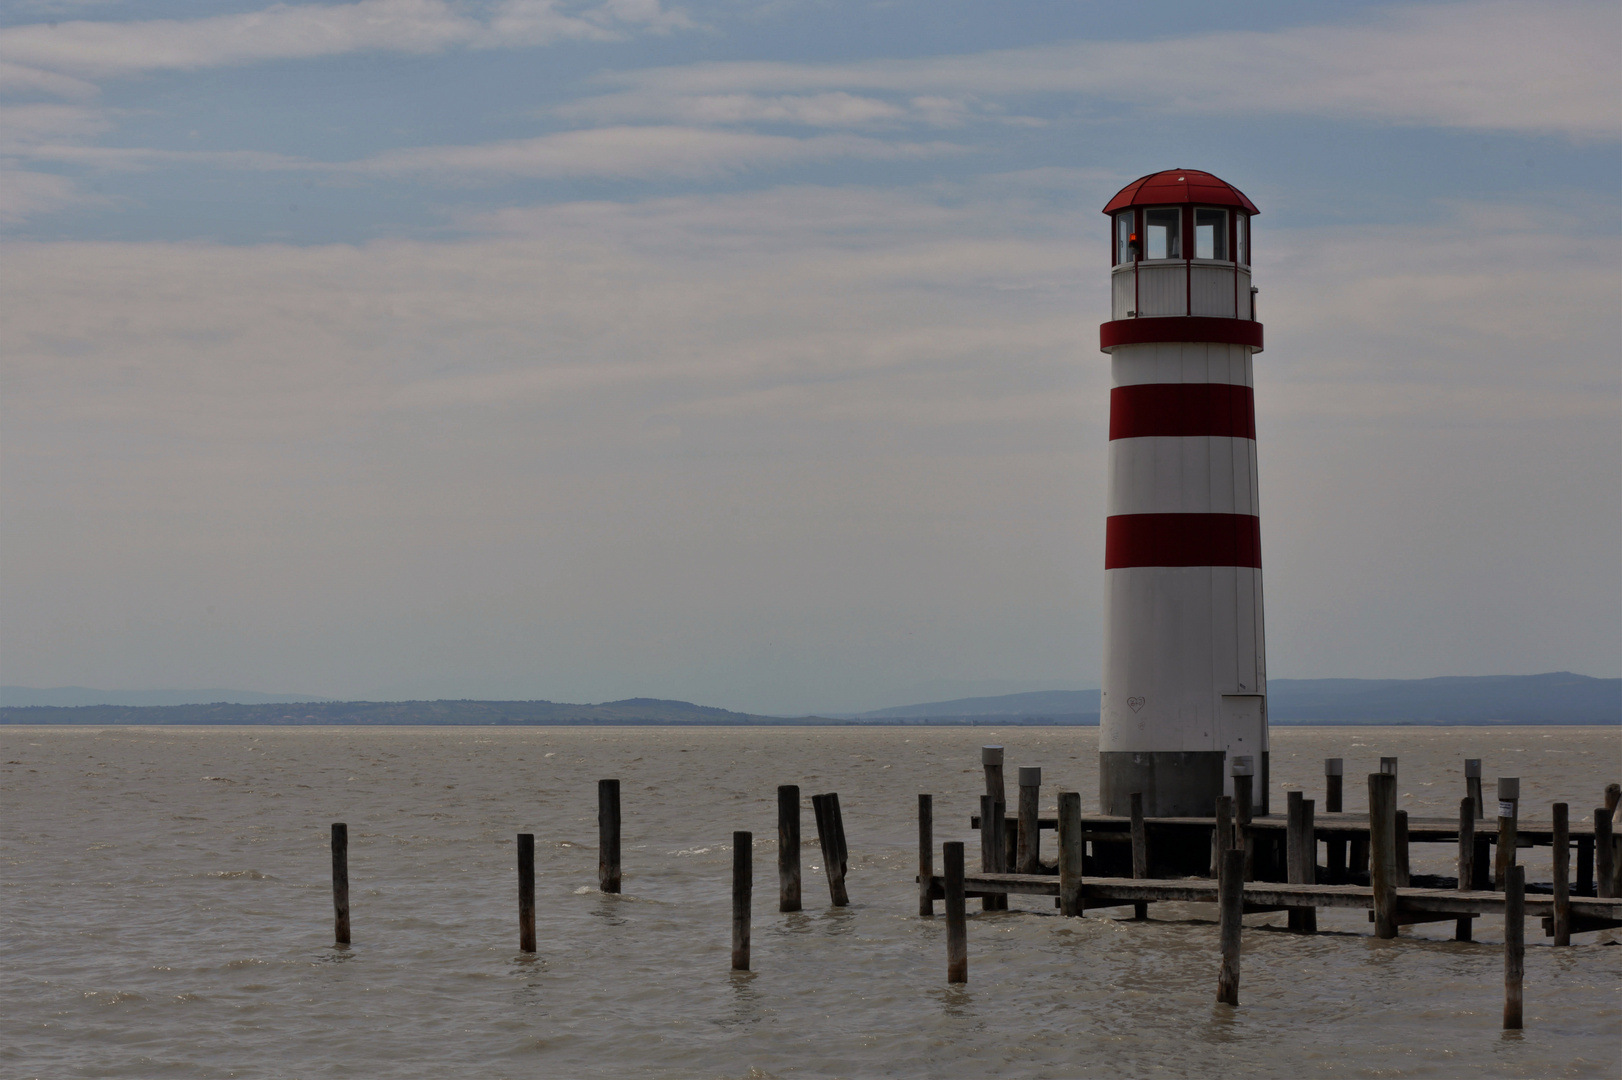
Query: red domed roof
1176, 187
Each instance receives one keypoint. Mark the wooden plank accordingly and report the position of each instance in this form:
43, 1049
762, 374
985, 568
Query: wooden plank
788, 848
957, 923
1421, 830
340, 882
742, 890
608, 835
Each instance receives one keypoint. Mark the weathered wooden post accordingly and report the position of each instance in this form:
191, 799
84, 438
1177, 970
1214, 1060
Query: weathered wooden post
1383, 851
1334, 846
825, 809
838, 817
1070, 853
1472, 785
1467, 862
1585, 866
1613, 798
926, 856
1030, 828
1301, 857
340, 882
1604, 854
743, 882
526, 892
957, 921
1140, 851
1514, 945
1231, 910
1244, 771
788, 847
1562, 874
1222, 834
1509, 795
608, 835
1403, 876
993, 824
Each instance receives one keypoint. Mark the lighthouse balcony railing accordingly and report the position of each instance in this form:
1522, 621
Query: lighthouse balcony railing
1159, 287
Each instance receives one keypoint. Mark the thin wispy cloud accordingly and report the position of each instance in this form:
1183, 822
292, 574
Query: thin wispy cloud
1507, 65
99, 50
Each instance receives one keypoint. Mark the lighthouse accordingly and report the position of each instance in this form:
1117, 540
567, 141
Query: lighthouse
1185, 673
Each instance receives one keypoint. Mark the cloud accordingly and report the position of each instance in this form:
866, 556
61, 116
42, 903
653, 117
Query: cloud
23, 127
98, 50
1545, 67
631, 152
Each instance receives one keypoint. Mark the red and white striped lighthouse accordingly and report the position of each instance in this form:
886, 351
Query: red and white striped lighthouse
1184, 677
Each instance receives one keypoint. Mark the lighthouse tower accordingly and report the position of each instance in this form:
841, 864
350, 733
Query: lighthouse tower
1185, 675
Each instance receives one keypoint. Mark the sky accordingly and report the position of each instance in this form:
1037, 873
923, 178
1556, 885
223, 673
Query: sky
746, 353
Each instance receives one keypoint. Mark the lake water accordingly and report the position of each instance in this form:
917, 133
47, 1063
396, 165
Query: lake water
167, 912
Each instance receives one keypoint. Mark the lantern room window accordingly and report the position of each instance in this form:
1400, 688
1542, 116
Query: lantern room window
1210, 234
1241, 239
1124, 237
1163, 231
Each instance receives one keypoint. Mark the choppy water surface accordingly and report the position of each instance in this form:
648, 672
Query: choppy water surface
166, 912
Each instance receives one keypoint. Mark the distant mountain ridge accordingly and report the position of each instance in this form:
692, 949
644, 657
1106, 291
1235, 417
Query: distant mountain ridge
1559, 697
1553, 698
76, 696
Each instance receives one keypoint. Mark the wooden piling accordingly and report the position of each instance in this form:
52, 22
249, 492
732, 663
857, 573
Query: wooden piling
1509, 795
1514, 945
1613, 797
926, 856
608, 835
1388, 765
1403, 875
1070, 853
993, 838
1140, 852
957, 922
1231, 909
788, 847
1462, 927
1604, 853
1301, 857
743, 881
1222, 833
1029, 855
1335, 846
838, 817
1244, 778
526, 892
1561, 858
340, 882
1472, 786
1383, 851
824, 807
1585, 866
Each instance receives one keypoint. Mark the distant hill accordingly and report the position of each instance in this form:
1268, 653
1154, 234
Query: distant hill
73, 696
1558, 697
1555, 698
630, 711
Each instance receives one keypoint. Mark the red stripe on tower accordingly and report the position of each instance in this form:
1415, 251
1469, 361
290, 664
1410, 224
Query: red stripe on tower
1182, 540
1182, 409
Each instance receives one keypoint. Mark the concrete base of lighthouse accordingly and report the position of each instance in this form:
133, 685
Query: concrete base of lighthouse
1174, 783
